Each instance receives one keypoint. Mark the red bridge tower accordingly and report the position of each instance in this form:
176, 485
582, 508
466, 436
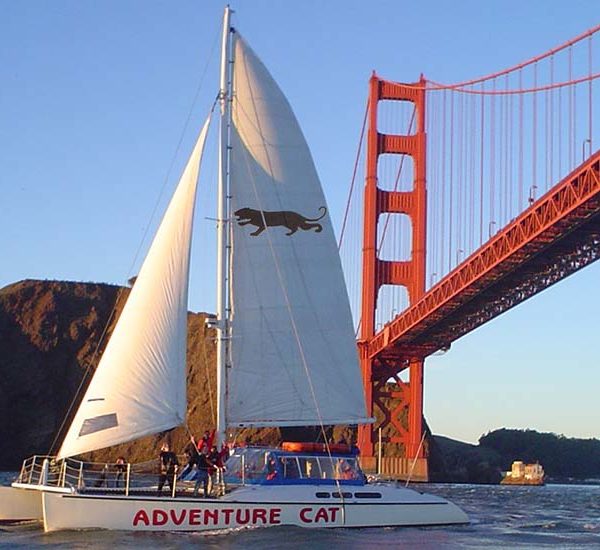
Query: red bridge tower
399, 406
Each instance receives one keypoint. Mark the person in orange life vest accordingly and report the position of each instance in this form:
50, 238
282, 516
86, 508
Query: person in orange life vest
203, 443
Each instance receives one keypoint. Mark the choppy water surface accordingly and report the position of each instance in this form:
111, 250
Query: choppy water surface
557, 516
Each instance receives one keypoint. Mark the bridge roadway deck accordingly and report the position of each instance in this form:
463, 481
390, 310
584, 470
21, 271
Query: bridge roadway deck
555, 237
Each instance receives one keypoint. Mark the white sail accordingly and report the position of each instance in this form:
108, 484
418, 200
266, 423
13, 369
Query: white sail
293, 352
139, 387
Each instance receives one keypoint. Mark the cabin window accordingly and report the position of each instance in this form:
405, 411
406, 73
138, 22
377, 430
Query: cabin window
248, 465
367, 495
254, 464
290, 467
327, 468
347, 468
322, 495
309, 467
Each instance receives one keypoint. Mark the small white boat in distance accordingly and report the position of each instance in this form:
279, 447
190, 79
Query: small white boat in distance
286, 350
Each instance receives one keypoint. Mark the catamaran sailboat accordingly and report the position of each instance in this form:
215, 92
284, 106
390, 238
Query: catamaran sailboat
286, 350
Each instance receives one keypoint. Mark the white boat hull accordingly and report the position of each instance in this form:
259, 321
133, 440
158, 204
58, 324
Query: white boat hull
18, 504
254, 506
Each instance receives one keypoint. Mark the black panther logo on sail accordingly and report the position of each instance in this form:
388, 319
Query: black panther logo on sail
292, 220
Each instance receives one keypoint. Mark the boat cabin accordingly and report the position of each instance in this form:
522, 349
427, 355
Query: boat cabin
274, 466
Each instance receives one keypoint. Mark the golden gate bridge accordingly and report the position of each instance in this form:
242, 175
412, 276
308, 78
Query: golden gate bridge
477, 196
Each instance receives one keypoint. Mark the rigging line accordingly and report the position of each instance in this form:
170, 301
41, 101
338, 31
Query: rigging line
291, 317
192, 439
177, 149
414, 462
352, 181
208, 380
86, 374
283, 286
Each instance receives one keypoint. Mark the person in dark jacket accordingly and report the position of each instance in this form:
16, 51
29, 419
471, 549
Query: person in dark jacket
168, 466
203, 465
120, 468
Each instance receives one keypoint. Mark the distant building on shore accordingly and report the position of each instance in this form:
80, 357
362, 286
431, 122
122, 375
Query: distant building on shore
524, 474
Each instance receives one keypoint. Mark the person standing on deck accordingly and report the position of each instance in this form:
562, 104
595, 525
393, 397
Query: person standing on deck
213, 471
168, 466
202, 465
120, 467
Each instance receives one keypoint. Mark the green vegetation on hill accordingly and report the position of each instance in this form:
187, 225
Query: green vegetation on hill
561, 457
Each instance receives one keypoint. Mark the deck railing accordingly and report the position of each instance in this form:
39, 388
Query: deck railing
101, 477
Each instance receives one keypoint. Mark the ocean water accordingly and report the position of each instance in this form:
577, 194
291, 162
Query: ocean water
552, 516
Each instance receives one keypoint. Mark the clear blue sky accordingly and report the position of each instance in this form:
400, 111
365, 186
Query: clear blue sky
94, 98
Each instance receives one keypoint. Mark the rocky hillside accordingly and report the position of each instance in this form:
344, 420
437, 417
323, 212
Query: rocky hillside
51, 336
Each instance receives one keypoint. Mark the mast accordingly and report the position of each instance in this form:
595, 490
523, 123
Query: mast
222, 230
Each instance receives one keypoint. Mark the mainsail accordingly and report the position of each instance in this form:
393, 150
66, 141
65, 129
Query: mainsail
139, 386
293, 352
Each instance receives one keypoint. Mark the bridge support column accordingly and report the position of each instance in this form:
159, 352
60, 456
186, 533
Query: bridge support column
400, 421
414, 445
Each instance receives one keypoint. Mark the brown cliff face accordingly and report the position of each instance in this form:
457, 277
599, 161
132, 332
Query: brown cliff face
49, 337
51, 334
48, 334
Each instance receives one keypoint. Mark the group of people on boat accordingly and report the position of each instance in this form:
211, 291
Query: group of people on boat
203, 462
